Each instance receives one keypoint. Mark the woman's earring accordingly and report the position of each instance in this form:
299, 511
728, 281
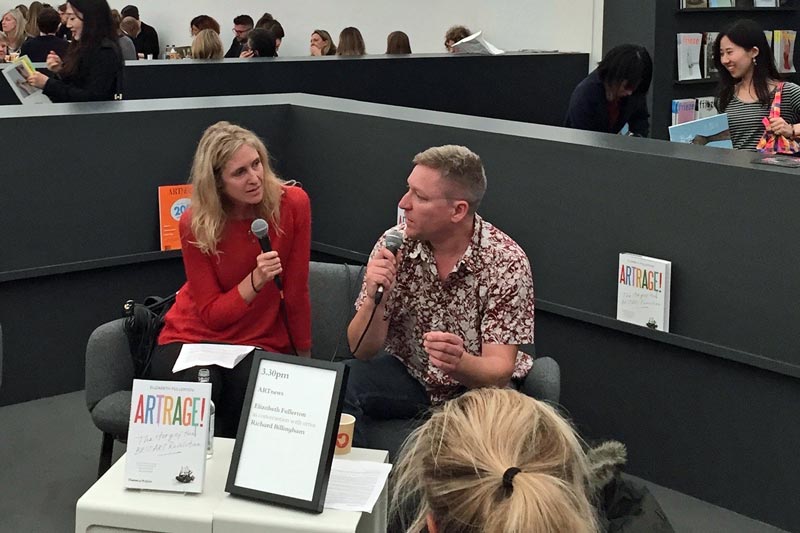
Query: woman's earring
755, 62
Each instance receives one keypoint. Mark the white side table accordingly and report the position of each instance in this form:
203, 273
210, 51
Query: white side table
240, 515
109, 507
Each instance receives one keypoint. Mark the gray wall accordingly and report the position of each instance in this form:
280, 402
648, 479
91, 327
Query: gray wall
708, 409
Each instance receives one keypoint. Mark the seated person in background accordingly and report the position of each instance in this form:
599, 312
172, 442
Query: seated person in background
38, 47
748, 81
146, 41
397, 43
3, 47
351, 43
92, 67
456, 301
230, 295
63, 32
125, 42
207, 45
131, 27
241, 27
13, 25
614, 94
322, 44
260, 43
32, 19
276, 29
203, 22
494, 460
453, 35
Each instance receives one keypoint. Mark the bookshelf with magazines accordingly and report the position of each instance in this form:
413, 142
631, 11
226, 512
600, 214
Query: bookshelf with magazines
656, 24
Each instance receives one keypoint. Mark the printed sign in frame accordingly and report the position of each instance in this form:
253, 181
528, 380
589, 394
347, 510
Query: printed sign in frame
287, 431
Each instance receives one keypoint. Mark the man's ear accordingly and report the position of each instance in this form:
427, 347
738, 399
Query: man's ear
432, 527
460, 210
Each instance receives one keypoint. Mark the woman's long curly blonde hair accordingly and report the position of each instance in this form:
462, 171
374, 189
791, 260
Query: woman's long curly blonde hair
452, 467
210, 206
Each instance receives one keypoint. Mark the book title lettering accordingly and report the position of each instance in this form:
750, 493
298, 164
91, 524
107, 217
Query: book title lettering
166, 410
641, 278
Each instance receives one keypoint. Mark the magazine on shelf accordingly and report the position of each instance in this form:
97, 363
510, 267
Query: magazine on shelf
167, 435
476, 44
706, 107
709, 67
689, 48
768, 35
17, 75
683, 110
643, 291
765, 3
721, 3
693, 4
173, 200
783, 48
710, 131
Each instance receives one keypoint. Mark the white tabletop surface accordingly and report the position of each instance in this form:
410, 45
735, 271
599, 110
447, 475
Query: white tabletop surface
108, 503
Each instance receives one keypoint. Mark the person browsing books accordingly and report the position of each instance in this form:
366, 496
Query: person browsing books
92, 67
748, 81
231, 295
450, 309
614, 94
493, 460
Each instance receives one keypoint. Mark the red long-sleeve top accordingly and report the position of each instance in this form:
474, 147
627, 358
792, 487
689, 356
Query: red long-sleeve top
209, 308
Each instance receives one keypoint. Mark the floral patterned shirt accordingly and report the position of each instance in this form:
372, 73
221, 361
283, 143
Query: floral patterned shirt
487, 298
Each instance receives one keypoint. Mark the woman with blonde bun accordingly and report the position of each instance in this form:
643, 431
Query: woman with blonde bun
494, 461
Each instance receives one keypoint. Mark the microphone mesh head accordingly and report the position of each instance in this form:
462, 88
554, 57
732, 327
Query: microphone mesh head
259, 227
394, 240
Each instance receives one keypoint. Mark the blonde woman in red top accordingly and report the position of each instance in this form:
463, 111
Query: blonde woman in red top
230, 295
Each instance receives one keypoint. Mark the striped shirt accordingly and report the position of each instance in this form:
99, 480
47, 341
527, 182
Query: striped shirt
744, 118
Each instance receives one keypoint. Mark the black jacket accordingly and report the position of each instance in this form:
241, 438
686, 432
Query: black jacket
588, 109
147, 42
98, 76
38, 47
236, 48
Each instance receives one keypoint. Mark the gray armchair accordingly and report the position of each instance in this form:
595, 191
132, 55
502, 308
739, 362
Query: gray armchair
333, 289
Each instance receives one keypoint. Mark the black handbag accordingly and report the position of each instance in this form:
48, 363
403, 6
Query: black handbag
143, 322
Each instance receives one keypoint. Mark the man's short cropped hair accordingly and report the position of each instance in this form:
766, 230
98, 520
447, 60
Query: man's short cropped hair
243, 20
130, 11
62, 8
48, 20
459, 166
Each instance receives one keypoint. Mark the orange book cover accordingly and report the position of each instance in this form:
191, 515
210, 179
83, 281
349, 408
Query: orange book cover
173, 200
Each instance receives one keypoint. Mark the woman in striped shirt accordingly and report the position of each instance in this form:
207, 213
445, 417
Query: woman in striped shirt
748, 80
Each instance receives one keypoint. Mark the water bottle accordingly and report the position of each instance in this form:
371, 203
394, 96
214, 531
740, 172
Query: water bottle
204, 376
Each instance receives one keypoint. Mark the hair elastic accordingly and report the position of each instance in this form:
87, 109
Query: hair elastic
508, 478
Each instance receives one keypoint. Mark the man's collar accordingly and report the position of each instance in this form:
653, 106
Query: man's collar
471, 260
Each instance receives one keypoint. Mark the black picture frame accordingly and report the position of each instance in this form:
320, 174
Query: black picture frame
324, 461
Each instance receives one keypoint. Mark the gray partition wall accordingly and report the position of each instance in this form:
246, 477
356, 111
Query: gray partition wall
709, 409
528, 87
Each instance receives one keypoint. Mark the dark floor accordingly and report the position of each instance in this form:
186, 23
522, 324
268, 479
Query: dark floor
49, 452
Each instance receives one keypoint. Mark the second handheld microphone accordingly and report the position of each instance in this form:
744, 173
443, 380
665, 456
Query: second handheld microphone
260, 228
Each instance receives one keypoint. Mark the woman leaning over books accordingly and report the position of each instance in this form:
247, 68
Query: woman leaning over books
748, 83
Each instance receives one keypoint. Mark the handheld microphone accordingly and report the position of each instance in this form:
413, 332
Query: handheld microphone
394, 240
260, 228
